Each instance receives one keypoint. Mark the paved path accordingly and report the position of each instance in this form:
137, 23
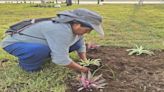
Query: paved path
122, 2
95, 2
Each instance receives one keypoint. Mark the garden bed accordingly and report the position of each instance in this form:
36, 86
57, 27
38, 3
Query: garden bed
125, 73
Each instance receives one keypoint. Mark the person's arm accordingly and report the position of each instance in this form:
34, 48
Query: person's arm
78, 67
82, 50
59, 42
82, 55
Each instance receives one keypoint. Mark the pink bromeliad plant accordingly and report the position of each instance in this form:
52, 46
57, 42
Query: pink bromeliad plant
90, 82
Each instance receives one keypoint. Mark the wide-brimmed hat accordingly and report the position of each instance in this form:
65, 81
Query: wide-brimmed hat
82, 15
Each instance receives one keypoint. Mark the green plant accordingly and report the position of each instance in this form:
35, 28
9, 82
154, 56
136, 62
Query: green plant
139, 50
89, 82
90, 62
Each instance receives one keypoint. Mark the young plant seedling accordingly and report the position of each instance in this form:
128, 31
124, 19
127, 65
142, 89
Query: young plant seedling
139, 50
91, 63
89, 82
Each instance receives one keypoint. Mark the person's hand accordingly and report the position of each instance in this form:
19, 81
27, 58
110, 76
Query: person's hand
84, 69
92, 46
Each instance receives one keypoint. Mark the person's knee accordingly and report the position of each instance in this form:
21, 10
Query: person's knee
33, 57
76, 46
30, 68
31, 64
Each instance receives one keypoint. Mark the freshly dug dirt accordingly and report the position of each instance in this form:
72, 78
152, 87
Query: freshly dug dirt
125, 73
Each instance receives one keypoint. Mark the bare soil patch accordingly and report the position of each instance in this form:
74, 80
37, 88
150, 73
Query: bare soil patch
126, 73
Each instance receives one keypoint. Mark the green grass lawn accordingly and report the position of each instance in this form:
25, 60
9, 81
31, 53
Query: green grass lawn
124, 25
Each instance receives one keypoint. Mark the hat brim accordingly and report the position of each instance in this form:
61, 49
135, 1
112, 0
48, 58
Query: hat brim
98, 28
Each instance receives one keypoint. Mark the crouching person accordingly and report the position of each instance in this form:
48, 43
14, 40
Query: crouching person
53, 38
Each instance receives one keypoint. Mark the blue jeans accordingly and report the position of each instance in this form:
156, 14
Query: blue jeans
32, 55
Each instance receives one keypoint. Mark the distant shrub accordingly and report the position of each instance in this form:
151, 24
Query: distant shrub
47, 5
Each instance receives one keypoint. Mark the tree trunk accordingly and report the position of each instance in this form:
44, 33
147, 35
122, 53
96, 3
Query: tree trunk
69, 2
